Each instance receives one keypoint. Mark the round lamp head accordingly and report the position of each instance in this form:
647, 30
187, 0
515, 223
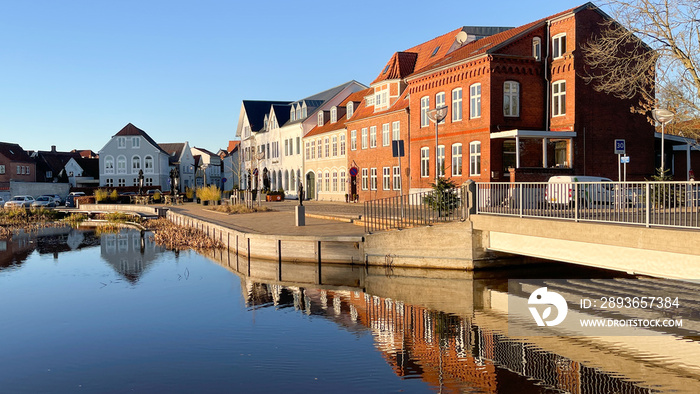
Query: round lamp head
662, 116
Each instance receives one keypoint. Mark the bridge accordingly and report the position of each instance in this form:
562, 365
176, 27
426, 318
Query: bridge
649, 228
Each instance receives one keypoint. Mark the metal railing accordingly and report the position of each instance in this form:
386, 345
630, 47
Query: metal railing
417, 209
665, 204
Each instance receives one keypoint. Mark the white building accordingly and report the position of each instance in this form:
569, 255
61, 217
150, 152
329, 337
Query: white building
180, 156
209, 172
272, 132
128, 152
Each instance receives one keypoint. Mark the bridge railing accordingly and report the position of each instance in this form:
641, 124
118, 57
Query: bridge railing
416, 209
668, 204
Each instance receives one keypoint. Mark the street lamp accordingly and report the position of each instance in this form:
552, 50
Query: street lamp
662, 116
437, 115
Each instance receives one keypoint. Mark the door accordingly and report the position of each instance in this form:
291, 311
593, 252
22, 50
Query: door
310, 186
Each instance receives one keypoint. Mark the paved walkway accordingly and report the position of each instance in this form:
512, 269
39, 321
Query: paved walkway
281, 219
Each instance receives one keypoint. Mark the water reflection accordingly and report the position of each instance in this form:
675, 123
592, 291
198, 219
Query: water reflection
129, 252
450, 329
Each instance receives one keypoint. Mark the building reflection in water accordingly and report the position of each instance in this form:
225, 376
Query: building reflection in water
454, 340
129, 252
50, 240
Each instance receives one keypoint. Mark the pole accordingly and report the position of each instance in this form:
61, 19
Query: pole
663, 173
436, 150
619, 170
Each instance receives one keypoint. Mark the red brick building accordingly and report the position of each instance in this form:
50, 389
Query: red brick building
519, 110
15, 164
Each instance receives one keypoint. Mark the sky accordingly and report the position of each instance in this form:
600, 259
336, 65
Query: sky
74, 73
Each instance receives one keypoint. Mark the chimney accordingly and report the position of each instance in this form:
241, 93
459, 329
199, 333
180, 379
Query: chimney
53, 148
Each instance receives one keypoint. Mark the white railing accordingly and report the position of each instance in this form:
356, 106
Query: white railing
667, 204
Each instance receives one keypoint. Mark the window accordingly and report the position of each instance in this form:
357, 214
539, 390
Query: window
286, 147
364, 138
559, 98
440, 102
475, 101
326, 147
298, 145
19, 170
457, 105
456, 159
508, 156
148, 181
424, 106
320, 119
109, 182
511, 98
135, 142
386, 178
353, 139
298, 112
373, 179
29, 170
320, 149
335, 181
307, 153
121, 165
441, 160
303, 111
109, 165
396, 131
536, 48
313, 149
121, 142
475, 158
49, 174
327, 181
335, 145
350, 109
2, 169
559, 45
381, 99
121, 182
425, 162
148, 164
373, 136
386, 135
397, 178
364, 179
292, 114
334, 115
342, 144
342, 181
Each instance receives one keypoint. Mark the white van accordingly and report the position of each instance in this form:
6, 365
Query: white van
593, 190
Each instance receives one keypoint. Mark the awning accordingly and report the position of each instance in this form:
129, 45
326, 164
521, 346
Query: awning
533, 134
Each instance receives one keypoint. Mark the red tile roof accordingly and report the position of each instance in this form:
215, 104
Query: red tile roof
340, 123
232, 145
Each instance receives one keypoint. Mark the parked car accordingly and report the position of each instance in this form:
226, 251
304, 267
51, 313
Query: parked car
70, 200
593, 191
44, 201
55, 197
20, 201
2, 202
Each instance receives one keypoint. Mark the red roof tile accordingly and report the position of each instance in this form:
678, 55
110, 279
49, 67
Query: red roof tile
340, 123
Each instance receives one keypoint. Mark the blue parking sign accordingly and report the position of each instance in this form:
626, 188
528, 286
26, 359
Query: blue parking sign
619, 147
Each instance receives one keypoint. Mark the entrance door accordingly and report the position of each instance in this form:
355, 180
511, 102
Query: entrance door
353, 186
310, 186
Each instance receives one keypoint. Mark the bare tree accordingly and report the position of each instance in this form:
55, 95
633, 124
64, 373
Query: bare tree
650, 51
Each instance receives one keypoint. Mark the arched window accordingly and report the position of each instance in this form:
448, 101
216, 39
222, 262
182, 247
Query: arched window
334, 114
286, 180
121, 165
350, 109
536, 48
109, 165
327, 181
456, 159
148, 164
135, 164
292, 181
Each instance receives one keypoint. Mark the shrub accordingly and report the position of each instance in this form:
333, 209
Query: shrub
209, 193
156, 195
444, 197
189, 193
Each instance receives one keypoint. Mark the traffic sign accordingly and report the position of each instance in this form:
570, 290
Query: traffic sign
625, 159
620, 147
353, 171
397, 148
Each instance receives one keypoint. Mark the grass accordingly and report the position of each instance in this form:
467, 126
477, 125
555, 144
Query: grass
176, 237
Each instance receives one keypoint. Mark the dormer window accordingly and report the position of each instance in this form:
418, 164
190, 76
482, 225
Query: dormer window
303, 111
320, 119
536, 48
265, 122
298, 112
334, 115
292, 114
369, 101
350, 108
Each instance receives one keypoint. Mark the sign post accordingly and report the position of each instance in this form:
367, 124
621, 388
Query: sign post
397, 150
619, 151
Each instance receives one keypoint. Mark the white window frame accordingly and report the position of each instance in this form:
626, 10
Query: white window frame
342, 145
441, 160
373, 179
146, 168
558, 45
334, 145
397, 177
396, 131
135, 142
121, 142
511, 98
386, 178
475, 158
537, 48
121, 160
326, 147
559, 98
457, 159
440, 102
365, 179
319, 122
350, 108
365, 138
353, 139
109, 165
334, 114
373, 136
424, 107
424, 162
457, 104
475, 101
386, 134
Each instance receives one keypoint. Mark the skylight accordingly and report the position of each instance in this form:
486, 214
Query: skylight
435, 51
386, 69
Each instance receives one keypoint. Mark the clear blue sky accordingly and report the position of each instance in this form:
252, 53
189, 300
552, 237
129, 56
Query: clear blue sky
73, 73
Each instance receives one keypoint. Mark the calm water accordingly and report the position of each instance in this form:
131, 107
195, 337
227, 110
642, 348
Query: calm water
115, 313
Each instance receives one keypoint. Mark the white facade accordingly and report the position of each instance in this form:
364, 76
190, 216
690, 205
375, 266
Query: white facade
209, 166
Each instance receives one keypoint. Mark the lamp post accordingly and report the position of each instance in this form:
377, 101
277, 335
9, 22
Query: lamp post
662, 116
437, 115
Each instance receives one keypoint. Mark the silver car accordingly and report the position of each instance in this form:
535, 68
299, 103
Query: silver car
44, 201
20, 201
